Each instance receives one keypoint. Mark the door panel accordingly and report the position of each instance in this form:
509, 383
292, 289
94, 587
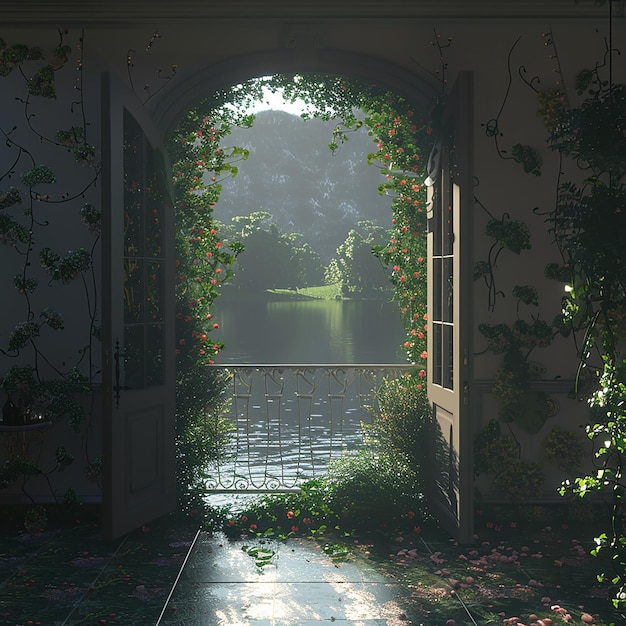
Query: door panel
449, 290
447, 479
138, 318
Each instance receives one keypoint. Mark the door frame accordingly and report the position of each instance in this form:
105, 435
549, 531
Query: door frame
452, 411
419, 89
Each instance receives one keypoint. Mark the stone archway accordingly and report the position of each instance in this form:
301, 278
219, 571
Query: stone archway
168, 108
194, 88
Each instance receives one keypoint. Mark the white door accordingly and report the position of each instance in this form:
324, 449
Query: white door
139, 472
451, 199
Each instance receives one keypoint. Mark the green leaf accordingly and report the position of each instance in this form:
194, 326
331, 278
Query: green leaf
529, 158
42, 83
9, 198
39, 175
11, 231
527, 294
512, 234
583, 80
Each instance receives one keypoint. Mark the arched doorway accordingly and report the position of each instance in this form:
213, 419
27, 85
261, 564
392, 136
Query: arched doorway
167, 110
450, 177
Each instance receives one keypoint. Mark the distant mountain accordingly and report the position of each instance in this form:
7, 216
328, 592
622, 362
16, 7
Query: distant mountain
292, 174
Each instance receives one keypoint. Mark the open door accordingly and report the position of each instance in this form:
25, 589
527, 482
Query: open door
139, 472
449, 310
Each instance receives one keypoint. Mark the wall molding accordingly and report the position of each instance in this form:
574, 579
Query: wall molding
119, 12
557, 385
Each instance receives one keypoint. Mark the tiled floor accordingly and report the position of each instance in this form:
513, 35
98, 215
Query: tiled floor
167, 576
171, 574
222, 586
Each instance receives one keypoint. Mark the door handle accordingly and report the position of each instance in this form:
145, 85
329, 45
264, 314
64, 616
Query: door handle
117, 355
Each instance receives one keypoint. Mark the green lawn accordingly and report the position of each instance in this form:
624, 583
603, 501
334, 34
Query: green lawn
323, 292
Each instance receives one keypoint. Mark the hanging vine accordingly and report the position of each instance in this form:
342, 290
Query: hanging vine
40, 386
528, 157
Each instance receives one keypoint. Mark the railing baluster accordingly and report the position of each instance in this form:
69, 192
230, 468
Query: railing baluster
290, 421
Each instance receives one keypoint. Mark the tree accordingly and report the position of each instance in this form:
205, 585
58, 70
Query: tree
308, 263
359, 271
271, 259
247, 224
307, 188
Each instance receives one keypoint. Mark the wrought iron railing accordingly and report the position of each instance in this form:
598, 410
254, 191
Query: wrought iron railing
289, 421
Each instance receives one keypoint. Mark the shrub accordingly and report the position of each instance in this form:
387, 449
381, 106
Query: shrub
371, 488
384, 481
401, 418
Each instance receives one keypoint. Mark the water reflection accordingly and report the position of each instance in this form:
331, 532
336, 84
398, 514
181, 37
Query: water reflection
309, 331
270, 453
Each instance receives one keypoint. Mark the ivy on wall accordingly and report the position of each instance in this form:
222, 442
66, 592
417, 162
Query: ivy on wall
34, 197
587, 226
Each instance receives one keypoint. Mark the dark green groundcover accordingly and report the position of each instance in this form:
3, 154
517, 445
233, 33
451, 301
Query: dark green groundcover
518, 571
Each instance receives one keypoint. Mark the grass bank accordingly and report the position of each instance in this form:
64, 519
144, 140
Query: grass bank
322, 292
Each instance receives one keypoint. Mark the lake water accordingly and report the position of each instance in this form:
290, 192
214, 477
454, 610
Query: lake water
309, 331
290, 423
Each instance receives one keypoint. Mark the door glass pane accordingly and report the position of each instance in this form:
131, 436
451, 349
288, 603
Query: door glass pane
447, 277
438, 352
144, 201
437, 313
447, 218
154, 291
448, 357
435, 220
155, 353
133, 187
133, 291
154, 207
